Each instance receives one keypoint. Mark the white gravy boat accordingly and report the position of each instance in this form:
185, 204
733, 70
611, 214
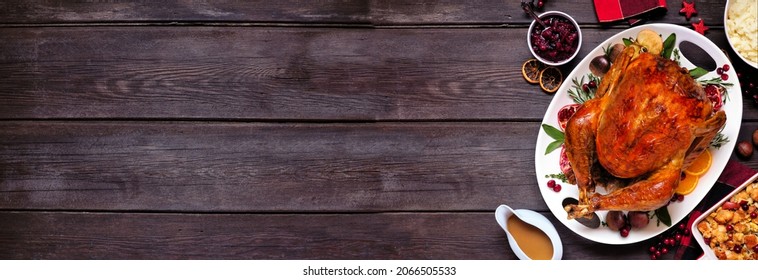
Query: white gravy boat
503, 212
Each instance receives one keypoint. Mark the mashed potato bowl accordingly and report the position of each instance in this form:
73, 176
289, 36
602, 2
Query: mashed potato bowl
741, 26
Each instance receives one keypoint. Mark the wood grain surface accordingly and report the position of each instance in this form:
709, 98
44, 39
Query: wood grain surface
330, 129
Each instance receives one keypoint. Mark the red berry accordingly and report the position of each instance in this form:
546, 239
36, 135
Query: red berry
755, 249
624, 232
585, 88
657, 254
678, 237
719, 71
652, 249
664, 251
707, 240
557, 188
729, 228
754, 215
540, 4
737, 249
551, 184
725, 67
592, 84
724, 77
680, 198
686, 232
653, 257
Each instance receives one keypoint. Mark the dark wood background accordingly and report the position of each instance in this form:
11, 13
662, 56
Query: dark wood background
330, 129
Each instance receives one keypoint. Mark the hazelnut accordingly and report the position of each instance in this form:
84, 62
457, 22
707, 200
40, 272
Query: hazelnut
744, 149
755, 137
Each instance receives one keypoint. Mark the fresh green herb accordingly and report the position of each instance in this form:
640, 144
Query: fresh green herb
715, 81
698, 72
676, 56
559, 176
556, 134
627, 41
663, 216
668, 45
607, 50
719, 140
578, 94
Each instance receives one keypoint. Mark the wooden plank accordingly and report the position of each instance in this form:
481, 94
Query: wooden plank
210, 167
191, 166
377, 12
272, 73
284, 11
55, 235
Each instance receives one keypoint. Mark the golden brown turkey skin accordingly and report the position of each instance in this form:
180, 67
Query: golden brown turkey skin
648, 115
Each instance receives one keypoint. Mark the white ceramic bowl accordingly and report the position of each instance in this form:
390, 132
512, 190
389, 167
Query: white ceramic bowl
707, 251
560, 14
729, 39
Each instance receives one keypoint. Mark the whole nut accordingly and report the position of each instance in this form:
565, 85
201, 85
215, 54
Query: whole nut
744, 149
755, 137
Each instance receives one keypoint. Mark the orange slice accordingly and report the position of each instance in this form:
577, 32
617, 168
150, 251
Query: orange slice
531, 70
550, 79
687, 184
700, 165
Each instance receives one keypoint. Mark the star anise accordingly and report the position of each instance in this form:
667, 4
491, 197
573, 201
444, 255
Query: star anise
688, 9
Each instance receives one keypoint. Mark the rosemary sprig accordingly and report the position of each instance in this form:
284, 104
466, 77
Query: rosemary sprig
719, 140
559, 176
578, 94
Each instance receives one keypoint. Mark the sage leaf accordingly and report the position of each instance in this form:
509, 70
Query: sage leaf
663, 215
553, 132
552, 146
698, 72
668, 45
627, 41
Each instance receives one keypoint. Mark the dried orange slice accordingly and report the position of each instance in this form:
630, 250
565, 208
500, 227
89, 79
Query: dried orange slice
550, 79
531, 70
700, 165
687, 184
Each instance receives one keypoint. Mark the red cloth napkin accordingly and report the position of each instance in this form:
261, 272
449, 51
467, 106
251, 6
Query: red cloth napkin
733, 176
632, 10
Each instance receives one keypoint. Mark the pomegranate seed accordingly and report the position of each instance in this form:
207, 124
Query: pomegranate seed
753, 215
751, 85
724, 77
652, 249
686, 231
725, 67
551, 184
664, 251
557, 188
729, 228
624, 232
682, 227
678, 237
540, 4
657, 254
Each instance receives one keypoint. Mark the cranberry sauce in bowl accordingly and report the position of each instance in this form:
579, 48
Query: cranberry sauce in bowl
558, 42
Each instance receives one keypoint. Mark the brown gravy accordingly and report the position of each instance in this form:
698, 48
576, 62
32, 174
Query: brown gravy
532, 240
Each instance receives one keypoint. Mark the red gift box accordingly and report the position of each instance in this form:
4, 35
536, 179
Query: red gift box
613, 10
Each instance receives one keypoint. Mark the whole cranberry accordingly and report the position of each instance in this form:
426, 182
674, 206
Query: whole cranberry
737, 249
624, 232
754, 215
664, 251
755, 249
551, 184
